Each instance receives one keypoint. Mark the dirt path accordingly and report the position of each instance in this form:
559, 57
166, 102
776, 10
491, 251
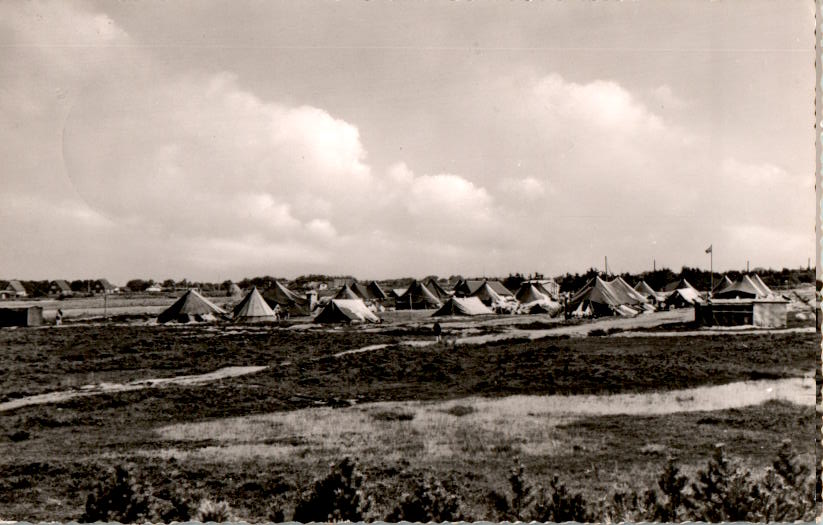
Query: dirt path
104, 388
740, 330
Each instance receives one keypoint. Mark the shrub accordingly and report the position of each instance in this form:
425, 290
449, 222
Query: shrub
597, 332
337, 497
429, 501
558, 505
722, 493
671, 484
216, 511
117, 498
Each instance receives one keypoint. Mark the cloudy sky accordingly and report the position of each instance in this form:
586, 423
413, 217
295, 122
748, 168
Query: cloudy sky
217, 140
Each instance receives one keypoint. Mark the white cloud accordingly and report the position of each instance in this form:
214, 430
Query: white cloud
191, 170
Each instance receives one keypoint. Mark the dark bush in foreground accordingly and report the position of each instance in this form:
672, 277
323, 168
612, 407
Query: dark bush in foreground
118, 498
429, 501
337, 497
721, 491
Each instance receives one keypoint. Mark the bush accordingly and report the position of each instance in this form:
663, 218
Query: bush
117, 498
337, 497
216, 511
558, 505
429, 501
597, 332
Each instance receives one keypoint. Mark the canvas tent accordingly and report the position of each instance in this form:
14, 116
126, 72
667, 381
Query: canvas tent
743, 288
462, 306
417, 297
437, 290
466, 288
487, 294
346, 311
288, 301
682, 298
362, 291
234, 290
626, 293
529, 293
764, 290
678, 285
647, 291
598, 298
253, 309
376, 292
191, 307
722, 284
346, 293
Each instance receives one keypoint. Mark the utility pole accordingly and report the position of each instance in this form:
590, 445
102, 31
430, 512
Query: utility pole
747, 266
606, 261
654, 265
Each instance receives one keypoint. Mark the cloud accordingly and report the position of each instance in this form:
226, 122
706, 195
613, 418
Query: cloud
120, 164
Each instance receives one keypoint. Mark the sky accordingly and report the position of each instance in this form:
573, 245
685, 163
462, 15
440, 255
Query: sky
221, 140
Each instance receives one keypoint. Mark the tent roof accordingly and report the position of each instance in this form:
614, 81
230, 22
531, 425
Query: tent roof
346, 311
468, 287
362, 291
529, 292
678, 285
463, 306
376, 291
190, 303
626, 293
596, 291
234, 289
419, 293
16, 285
643, 288
688, 295
253, 306
436, 290
486, 293
346, 293
744, 287
281, 295
765, 290
62, 284
722, 284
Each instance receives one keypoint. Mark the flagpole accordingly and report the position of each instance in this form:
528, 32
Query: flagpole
711, 270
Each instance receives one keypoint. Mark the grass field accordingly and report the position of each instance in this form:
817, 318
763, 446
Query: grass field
265, 437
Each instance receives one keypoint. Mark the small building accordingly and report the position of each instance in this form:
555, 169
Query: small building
103, 286
27, 316
761, 313
60, 288
14, 289
155, 288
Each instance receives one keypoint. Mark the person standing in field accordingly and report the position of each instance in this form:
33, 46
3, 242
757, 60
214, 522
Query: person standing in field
58, 318
437, 332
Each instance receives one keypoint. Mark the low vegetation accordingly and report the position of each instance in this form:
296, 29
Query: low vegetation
719, 491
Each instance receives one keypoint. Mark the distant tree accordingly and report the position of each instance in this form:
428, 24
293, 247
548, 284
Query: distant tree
225, 285
513, 282
168, 283
138, 285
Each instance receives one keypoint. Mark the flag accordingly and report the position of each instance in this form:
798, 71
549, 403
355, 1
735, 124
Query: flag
709, 249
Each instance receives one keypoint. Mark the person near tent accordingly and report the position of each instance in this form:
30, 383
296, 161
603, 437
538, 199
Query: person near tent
58, 318
437, 331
